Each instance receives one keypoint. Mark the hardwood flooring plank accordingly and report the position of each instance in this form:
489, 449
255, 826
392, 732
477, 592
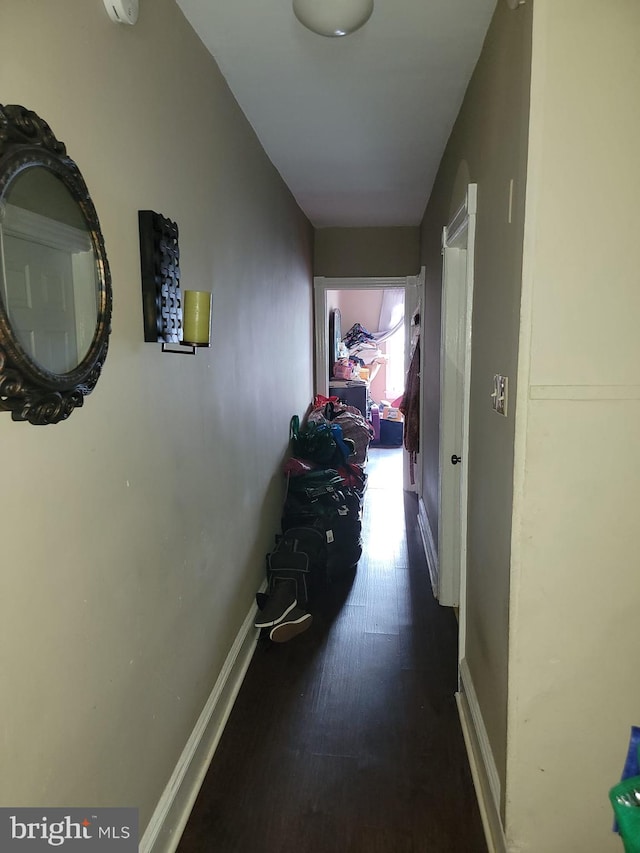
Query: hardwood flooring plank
381, 609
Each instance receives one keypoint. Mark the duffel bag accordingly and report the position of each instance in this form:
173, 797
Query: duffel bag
340, 530
343, 558
356, 429
299, 556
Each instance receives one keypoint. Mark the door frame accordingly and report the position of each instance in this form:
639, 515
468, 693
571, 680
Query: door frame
458, 246
413, 287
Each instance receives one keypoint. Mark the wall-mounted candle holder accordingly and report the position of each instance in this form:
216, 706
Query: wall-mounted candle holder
180, 321
197, 318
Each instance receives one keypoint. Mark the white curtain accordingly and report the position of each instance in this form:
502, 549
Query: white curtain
391, 314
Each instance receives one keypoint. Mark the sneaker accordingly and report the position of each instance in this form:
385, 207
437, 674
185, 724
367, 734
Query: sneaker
295, 623
278, 605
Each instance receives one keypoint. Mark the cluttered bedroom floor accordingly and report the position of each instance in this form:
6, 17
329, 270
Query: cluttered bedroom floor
346, 739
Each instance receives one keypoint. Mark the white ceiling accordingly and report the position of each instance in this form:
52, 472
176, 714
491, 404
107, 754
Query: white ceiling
356, 125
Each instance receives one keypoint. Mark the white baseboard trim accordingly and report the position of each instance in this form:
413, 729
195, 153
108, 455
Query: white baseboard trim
170, 817
429, 545
483, 767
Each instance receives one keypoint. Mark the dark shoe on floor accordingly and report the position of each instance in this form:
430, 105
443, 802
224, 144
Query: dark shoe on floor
277, 606
295, 623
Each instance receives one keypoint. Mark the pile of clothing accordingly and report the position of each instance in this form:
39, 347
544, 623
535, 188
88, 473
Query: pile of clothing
361, 345
322, 515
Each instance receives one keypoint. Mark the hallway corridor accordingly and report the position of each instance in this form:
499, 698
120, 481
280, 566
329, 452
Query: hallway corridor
346, 739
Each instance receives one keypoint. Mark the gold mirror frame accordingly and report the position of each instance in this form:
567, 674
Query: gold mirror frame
28, 389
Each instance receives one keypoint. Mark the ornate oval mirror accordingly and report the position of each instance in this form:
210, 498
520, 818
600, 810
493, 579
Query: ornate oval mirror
55, 287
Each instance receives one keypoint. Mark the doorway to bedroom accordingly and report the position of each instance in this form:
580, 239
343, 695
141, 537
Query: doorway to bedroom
366, 331
372, 335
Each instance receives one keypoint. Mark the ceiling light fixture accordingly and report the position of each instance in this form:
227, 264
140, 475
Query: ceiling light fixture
333, 17
122, 11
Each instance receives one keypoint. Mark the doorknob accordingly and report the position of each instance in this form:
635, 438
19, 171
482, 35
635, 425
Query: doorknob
455, 459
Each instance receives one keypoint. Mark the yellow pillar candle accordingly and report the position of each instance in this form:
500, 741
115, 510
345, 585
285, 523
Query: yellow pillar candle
196, 318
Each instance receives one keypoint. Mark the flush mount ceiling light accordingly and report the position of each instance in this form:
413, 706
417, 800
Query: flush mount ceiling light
122, 11
333, 17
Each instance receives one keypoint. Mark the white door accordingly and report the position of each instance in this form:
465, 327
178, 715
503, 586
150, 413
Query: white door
39, 284
455, 371
451, 425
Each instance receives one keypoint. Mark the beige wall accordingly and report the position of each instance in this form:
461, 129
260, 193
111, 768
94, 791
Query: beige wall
488, 146
133, 535
354, 252
360, 306
574, 691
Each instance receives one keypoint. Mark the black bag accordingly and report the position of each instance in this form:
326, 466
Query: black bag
315, 484
343, 557
330, 511
299, 556
339, 526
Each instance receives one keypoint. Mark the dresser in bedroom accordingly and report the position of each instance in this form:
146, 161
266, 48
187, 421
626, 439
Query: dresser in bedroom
353, 393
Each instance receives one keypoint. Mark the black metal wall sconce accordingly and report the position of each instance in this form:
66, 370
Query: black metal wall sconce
180, 321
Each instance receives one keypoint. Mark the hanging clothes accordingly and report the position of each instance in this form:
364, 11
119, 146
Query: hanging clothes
410, 408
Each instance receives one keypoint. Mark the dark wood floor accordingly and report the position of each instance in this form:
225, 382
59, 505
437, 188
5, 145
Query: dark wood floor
346, 739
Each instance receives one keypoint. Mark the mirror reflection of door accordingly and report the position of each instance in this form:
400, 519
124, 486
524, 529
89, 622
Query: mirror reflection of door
39, 282
49, 275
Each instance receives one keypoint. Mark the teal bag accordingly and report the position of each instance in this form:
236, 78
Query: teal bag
313, 442
625, 799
